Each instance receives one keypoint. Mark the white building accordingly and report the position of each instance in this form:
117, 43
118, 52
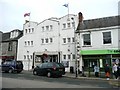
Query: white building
100, 42
53, 37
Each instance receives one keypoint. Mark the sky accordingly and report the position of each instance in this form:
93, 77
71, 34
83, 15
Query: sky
12, 11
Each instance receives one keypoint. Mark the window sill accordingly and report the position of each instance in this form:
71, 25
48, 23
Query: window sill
87, 46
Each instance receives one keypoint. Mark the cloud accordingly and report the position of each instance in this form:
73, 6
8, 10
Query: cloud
13, 10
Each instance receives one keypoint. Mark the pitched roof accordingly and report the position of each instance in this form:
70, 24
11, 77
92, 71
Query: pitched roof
99, 23
6, 37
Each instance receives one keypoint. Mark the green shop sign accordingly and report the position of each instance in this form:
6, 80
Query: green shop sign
96, 52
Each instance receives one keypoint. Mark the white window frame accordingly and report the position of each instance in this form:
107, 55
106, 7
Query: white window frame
107, 38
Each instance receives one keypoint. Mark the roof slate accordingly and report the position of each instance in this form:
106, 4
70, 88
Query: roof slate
99, 23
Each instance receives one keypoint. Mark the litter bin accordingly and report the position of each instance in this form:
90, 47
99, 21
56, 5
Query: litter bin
71, 69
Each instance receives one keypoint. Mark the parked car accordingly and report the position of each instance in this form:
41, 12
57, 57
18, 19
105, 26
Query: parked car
12, 66
49, 69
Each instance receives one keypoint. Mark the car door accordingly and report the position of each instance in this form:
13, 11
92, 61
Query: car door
43, 70
5, 66
39, 69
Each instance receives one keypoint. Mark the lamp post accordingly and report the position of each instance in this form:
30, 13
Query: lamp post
76, 71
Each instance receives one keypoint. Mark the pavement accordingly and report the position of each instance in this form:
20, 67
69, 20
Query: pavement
114, 82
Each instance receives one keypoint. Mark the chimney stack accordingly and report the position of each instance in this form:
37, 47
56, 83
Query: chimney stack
80, 17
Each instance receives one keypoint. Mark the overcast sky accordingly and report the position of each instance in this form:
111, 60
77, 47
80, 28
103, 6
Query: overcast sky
12, 11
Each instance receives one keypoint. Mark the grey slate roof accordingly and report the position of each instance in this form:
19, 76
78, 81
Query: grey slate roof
6, 37
99, 23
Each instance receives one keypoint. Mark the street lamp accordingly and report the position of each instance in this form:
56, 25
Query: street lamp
76, 71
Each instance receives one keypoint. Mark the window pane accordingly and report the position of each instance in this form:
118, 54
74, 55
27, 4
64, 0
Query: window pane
51, 27
46, 40
64, 40
31, 42
68, 39
86, 39
47, 27
69, 57
73, 39
32, 29
64, 56
26, 30
106, 37
73, 56
42, 40
68, 25
64, 25
51, 40
42, 28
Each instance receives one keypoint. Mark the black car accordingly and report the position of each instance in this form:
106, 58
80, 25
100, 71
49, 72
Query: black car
49, 69
12, 66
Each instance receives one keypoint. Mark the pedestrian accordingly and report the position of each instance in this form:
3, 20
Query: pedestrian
96, 70
107, 71
114, 70
83, 74
118, 70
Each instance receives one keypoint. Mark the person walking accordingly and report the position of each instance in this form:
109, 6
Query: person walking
114, 70
118, 70
107, 71
96, 70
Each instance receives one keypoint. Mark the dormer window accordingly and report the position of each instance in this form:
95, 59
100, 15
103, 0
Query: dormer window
14, 34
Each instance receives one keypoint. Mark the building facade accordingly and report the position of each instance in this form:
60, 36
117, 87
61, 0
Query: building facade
51, 40
9, 44
1, 46
100, 42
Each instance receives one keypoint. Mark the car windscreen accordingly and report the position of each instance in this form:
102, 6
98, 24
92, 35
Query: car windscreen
59, 65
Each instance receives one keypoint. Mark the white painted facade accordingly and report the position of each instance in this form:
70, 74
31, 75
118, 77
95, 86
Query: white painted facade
97, 38
47, 37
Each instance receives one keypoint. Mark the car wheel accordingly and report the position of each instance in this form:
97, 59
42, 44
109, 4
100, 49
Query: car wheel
34, 72
49, 74
10, 71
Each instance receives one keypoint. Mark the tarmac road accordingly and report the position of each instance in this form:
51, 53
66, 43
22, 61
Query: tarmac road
28, 80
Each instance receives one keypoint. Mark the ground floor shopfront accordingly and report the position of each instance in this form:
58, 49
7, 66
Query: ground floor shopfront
91, 58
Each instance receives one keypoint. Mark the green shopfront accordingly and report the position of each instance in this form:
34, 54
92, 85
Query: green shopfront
101, 58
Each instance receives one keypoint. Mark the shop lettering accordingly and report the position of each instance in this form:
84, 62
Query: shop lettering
117, 51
